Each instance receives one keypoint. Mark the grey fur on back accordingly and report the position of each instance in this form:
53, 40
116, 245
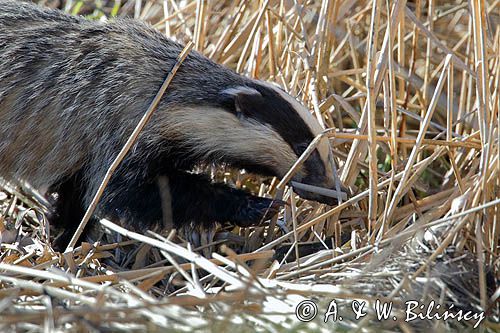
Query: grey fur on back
72, 90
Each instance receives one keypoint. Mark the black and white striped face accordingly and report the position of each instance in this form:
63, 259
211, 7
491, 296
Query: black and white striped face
260, 128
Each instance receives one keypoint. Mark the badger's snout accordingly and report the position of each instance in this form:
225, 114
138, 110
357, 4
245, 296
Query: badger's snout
319, 182
324, 194
315, 197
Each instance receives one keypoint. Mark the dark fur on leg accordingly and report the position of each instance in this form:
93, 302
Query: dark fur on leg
68, 209
195, 200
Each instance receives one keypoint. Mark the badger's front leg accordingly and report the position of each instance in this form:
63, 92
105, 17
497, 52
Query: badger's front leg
194, 200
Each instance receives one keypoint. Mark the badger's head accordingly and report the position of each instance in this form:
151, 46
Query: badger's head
260, 128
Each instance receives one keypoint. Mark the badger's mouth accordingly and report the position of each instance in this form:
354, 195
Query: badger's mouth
320, 194
319, 181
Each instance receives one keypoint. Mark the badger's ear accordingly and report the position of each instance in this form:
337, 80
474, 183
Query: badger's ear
241, 100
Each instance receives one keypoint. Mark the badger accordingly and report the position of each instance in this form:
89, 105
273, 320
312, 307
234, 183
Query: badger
72, 91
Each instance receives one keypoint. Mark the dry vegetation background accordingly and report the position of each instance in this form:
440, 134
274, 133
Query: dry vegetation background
409, 91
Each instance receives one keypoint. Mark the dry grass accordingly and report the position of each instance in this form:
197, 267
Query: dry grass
410, 94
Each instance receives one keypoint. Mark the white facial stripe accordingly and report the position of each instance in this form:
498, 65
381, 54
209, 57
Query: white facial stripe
323, 147
217, 133
240, 90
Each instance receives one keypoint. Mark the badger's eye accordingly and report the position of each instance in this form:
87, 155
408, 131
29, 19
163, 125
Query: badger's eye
300, 148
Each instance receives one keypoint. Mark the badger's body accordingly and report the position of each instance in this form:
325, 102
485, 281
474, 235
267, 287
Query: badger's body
72, 91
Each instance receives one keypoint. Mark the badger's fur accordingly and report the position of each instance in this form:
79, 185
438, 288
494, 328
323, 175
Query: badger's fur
72, 91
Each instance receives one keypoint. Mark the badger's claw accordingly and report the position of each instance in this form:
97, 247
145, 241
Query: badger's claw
256, 211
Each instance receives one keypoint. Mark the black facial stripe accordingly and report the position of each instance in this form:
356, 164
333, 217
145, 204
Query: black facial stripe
281, 115
275, 111
315, 169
